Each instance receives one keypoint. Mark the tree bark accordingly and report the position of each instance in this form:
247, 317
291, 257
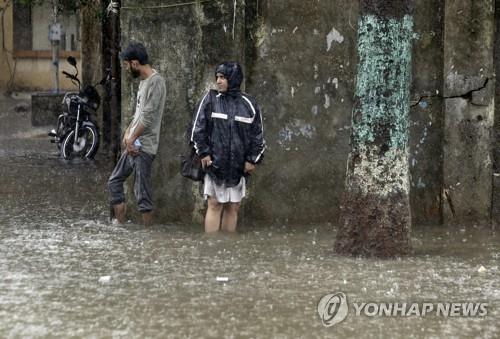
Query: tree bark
375, 209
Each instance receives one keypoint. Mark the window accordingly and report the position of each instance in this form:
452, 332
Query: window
31, 31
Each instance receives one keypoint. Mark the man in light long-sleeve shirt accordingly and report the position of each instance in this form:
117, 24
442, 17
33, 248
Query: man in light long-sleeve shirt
141, 138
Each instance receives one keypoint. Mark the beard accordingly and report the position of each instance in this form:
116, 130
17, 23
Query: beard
135, 73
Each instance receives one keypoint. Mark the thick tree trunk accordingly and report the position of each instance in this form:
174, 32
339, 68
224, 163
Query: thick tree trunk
375, 210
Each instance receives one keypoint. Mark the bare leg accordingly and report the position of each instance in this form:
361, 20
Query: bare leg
212, 219
147, 217
120, 210
230, 216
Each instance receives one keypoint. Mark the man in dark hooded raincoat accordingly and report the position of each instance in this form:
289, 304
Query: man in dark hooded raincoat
228, 136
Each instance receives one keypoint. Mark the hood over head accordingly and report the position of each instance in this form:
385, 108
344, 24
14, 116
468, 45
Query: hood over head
234, 75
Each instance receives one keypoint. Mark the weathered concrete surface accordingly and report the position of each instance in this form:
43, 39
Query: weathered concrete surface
45, 108
426, 115
303, 76
6, 40
495, 203
301, 68
469, 111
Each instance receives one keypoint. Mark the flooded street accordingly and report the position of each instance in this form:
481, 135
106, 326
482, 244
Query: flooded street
67, 272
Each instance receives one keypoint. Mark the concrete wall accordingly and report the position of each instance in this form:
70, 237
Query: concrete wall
300, 63
427, 122
469, 111
303, 74
6, 64
495, 210
37, 74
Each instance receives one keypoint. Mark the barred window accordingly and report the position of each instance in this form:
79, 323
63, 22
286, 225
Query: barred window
31, 29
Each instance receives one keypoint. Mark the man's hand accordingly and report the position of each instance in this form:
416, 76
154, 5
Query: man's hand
206, 161
131, 149
249, 167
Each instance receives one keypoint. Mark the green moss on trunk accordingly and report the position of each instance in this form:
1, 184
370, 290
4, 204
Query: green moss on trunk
375, 211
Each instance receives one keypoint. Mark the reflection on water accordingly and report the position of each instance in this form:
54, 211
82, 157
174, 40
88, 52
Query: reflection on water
66, 272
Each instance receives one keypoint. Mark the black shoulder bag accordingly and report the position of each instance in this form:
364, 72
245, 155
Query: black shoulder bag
191, 165
190, 161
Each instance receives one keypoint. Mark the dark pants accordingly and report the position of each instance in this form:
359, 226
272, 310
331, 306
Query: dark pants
141, 167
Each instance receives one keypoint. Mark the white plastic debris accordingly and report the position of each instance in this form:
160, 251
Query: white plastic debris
482, 269
105, 279
222, 279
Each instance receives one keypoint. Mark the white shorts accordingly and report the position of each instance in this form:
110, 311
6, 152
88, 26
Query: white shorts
224, 194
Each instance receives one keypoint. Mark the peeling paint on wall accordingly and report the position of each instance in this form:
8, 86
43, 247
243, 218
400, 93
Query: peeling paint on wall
262, 35
335, 82
297, 129
327, 101
334, 35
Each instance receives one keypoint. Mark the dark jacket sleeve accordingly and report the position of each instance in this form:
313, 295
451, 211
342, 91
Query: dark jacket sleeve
199, 133
257, 142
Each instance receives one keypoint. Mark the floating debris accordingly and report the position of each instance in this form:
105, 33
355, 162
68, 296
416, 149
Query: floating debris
105, 279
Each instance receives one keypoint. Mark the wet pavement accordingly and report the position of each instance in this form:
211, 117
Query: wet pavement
67, 272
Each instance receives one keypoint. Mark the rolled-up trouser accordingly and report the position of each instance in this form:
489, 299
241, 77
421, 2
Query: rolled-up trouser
140, 165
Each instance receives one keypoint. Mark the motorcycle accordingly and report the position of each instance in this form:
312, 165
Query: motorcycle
77, 135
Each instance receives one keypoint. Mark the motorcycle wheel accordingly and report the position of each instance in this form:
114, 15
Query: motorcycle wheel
87, 144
